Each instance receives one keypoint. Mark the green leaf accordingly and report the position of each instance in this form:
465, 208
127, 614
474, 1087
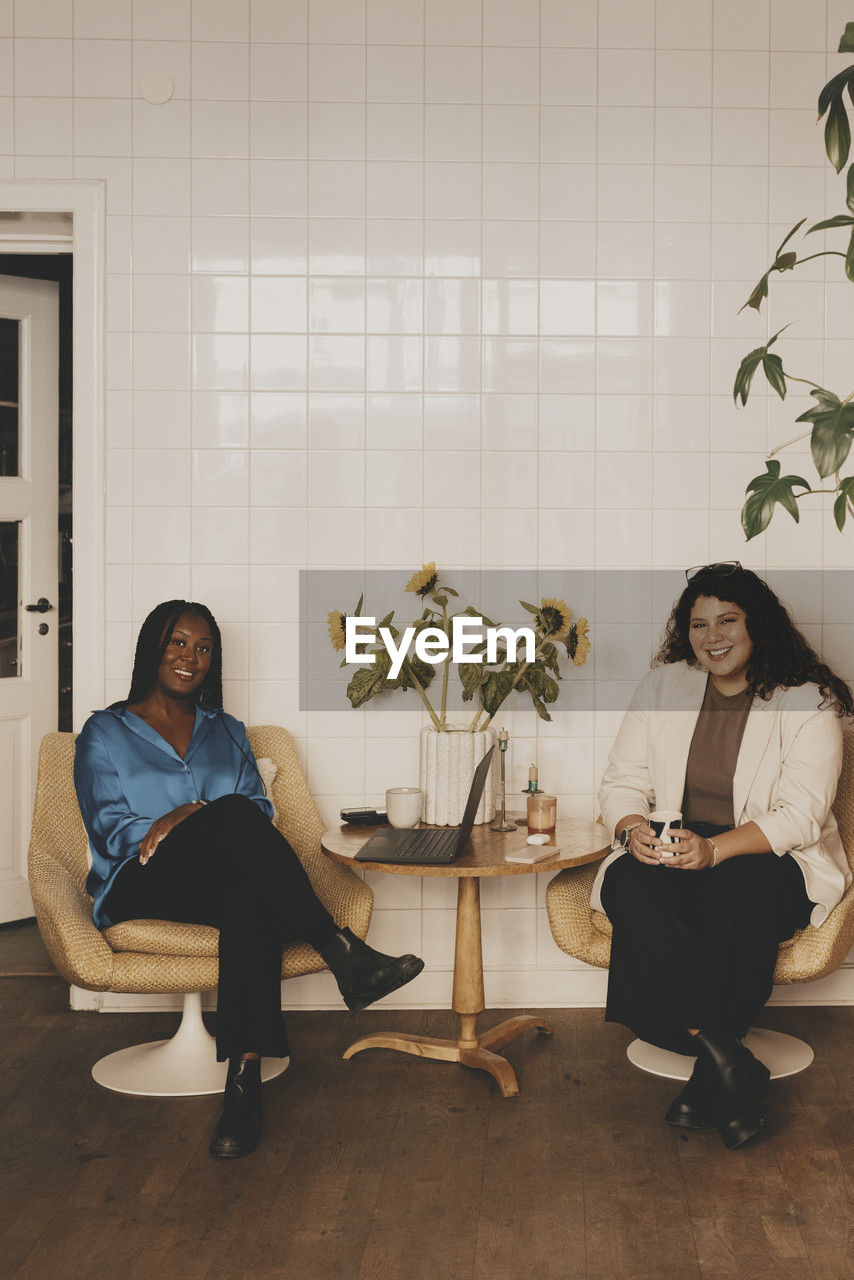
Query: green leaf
471, 674
496, 688
477, 613
846, 42
540, 683
532, 608
451, 592
441, 601
844, 501
540, 708
840, 220
760, 291
832, 432
773, 367
424, 673
787, 237
765, 492
837, 134
849, 258
833, 89
849, 188
782, 262
369, 681
549, 658
744, 377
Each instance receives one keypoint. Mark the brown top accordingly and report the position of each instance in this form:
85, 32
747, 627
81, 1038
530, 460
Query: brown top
712, 757
575, 842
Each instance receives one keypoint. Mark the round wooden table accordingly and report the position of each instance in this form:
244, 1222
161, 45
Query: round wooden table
575, 842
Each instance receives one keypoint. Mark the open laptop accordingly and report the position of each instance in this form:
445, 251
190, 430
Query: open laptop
437, 846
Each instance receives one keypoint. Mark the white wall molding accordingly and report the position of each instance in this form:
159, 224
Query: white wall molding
505, 989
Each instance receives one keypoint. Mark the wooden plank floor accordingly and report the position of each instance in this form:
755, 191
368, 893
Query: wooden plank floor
22, 952
392, 1168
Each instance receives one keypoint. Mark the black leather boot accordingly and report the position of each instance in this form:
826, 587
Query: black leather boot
696, 1106
742, 1087
239, 1127
364, 975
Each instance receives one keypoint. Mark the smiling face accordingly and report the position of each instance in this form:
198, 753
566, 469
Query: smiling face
717, 630
187, 658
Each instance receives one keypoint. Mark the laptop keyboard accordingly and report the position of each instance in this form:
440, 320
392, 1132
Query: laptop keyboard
424, 846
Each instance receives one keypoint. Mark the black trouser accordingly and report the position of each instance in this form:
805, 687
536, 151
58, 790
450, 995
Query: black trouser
227, 866
698, 948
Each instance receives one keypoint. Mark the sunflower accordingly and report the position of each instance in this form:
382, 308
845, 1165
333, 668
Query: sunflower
554, 617
582, 642
423, 580
335, 622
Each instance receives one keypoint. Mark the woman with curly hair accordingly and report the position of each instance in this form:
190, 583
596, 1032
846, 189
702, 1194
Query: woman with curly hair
737, 727
180, 829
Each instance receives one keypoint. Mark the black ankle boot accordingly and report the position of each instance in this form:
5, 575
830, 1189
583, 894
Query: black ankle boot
364, 975
239, 1127
742, 1087
696, 1106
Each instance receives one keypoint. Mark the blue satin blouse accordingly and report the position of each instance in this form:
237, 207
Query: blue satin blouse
127, 776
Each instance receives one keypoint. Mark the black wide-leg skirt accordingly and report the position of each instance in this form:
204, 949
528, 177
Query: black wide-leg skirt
698, 948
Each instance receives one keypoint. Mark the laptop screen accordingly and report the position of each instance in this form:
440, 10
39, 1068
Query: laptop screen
473, 801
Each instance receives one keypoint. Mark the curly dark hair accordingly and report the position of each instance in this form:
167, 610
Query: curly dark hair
781, 656
154, 635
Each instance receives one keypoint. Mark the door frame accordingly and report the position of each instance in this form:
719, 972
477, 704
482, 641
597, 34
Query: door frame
86, 202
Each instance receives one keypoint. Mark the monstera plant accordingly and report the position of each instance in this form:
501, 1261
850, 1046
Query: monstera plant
831, 417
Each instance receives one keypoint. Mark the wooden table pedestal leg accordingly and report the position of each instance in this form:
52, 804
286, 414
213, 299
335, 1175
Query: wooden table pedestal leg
469, 1049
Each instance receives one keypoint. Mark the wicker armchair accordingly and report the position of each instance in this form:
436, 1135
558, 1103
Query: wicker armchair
811, 954
154, 956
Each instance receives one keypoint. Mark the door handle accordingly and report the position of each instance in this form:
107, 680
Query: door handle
42, 605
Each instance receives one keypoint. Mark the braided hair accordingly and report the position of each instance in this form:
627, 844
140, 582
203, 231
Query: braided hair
154, 636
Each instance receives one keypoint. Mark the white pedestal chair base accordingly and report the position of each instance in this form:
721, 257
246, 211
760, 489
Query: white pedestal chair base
783, 1055
182, 1067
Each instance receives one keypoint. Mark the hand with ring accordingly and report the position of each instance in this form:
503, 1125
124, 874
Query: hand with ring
644, 845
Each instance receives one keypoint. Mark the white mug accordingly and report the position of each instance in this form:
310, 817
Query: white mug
661, 820
404, 805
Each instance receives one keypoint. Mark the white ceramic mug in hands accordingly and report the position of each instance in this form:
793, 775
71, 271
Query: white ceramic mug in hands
404, 806
661, 821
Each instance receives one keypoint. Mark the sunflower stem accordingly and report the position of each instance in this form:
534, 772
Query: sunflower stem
422, 695
446, 669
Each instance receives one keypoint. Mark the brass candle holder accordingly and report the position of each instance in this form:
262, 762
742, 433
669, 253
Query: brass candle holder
503, 825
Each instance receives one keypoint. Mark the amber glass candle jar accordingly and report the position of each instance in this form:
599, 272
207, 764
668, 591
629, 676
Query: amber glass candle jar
542, 812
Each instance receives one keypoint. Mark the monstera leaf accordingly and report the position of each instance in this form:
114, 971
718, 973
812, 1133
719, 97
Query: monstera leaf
832, 432
782, 262
765, 492
837, 131
844, 502
772, 367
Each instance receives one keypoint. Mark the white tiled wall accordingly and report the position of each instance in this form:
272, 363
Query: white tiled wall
400, 280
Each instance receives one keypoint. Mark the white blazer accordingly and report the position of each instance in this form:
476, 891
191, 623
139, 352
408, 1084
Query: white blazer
785, 777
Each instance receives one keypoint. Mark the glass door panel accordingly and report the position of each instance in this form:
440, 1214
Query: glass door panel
10, 636
10, 345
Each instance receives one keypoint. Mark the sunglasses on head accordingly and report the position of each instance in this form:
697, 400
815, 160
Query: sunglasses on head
721, 568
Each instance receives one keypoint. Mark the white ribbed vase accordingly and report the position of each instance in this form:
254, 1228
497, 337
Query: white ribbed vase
448, 762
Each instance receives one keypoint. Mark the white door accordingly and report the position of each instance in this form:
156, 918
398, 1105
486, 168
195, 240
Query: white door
29, 405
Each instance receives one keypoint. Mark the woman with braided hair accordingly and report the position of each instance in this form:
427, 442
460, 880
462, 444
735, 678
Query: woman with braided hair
180, 829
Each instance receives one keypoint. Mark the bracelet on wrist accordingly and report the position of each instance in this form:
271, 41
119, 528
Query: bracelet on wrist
714, 853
